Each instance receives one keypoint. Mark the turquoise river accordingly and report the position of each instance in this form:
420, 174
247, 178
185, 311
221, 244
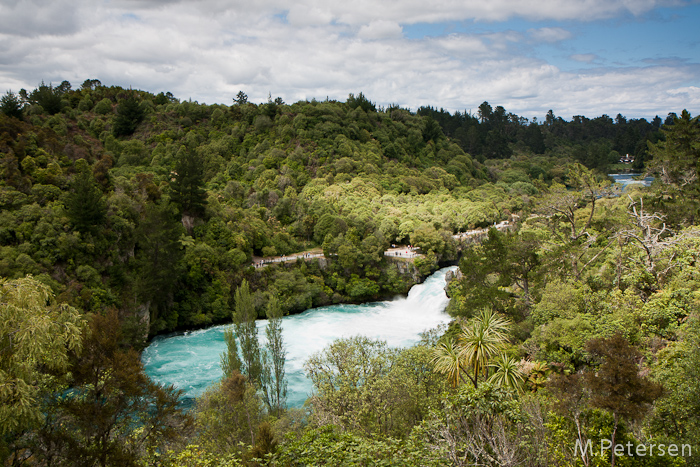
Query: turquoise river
190, 361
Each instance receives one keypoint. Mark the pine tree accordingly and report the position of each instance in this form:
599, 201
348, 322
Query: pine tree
188, 184
129, 115
86, 207
48, 97
11, 105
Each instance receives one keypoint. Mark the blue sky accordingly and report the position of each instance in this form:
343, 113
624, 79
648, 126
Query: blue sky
586, 57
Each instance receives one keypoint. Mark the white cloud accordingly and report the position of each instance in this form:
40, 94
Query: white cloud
210, 49
549, 34
380, 30
38, 17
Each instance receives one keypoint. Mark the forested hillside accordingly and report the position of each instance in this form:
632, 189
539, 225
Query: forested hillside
136, 214
120, 198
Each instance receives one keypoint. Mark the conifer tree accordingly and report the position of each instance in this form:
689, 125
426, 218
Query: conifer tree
188, 184
86, 207
129, 115
11, 105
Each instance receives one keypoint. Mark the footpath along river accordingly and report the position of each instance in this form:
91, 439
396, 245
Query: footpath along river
190, 361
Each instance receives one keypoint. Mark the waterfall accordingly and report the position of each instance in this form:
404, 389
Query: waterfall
190, 361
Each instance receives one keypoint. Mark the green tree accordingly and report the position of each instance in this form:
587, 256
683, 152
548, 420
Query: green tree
228, 416
513, 258
111, 414
479, 426
360, 101
575, 243
507, 373
247, 332
240, 99
362, 385
480, 286
230, 361
11, 105
675, 158
187, 186
479, 341
616, 385
48, 97
85, 204
676, 416
129, 114
331, 445
158, 254
36, 335
274, 382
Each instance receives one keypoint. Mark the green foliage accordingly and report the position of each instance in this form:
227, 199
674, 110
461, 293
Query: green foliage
478, 342
329, 445
48, 97
273, 372
85, 204
11, 105
360, 101
130, 113
228, 416
675, 158
162, 226
110, 413
103, 107
675, 417
247, 332
36, 335
478, 426
157, 258
502, 260
187, 184
230, 361
364, 386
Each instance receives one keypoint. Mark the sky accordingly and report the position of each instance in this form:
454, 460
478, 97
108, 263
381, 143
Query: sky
640, 58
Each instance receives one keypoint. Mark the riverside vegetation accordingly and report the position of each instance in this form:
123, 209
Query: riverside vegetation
126, 214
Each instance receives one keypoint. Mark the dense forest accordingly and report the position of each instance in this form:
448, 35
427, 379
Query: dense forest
125, 214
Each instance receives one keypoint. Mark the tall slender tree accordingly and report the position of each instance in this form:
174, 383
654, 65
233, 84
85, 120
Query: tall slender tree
187, 187
244, 324
230, 361
274, 383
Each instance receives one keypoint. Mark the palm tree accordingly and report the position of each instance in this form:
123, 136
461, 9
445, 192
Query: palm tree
507, 373
446, 361
478, 342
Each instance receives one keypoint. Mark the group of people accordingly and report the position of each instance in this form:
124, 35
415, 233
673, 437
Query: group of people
279, 259
409, 253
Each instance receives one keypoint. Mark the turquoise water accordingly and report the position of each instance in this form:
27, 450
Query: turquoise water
631, 179
190, 361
